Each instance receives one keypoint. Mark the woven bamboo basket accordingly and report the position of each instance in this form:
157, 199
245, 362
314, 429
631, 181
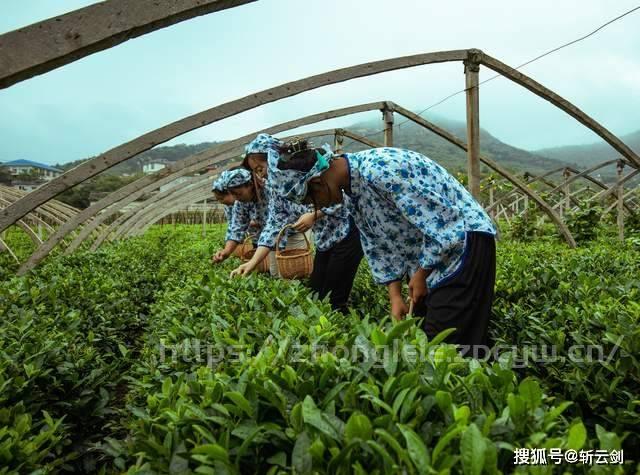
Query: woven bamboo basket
263, 266
241, 250
294, 263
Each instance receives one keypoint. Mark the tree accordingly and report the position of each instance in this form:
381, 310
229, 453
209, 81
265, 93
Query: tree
5, 176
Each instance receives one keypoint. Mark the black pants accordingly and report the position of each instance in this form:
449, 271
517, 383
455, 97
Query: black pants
335, 269
464, 301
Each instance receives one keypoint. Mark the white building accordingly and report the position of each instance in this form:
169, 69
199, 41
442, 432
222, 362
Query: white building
22, 167
153, 167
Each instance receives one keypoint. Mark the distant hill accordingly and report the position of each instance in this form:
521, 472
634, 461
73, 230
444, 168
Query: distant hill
412, 136
134, 165
590, 154
408, 135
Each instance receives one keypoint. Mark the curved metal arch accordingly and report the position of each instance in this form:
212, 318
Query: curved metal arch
628, 193
143, 214
118, 154
5, 247
132, 191
58, 206
573, 196
157, 213
538, 89
181, 171
49, 44
577, 174
27, 229
555, 188
117, 228
47, 210
451, 138
174, 193
162, 214
194, 162
121, 219
531, 179
604, 193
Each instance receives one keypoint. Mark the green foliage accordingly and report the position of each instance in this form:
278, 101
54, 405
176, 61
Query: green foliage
80, 196
584, 222
142, 358
525, 227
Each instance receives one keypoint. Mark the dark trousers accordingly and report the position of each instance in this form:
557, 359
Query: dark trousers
335, 269
464, 300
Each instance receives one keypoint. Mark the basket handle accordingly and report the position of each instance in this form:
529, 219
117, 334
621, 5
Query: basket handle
249, 236
280, 234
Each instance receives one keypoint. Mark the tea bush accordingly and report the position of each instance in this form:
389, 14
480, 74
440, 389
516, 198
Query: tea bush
143, 358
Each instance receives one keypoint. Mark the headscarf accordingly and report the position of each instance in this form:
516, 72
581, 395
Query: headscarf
231, 178
292, 184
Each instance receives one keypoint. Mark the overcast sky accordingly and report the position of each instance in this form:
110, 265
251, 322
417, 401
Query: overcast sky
98, 102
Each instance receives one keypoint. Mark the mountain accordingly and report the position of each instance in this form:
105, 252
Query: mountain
590, 154
407, 135
134, 165
414, 137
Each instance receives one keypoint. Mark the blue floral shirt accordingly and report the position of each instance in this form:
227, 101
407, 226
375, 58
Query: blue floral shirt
411, 213
332, 228
228, 210
242, 215
279, 212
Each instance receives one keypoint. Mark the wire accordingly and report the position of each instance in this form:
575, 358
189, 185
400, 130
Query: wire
518, 67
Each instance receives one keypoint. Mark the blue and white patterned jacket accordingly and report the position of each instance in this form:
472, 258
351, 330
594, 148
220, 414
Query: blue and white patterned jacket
242, 215
410, 212
279, 212
332, 228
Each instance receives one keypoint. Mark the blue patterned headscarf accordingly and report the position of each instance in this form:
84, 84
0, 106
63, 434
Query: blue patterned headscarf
217, 185
265, 143
292, 184
231, 178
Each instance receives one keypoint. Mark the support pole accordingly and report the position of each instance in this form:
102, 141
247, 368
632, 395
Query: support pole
567, 192
204, 219
471, 73
338, 143
620, 220
387, 117
492, 212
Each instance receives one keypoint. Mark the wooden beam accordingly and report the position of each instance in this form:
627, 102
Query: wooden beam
143, 214
387, 119
471, 73
182, 167
52, 43
116, 155
612, 189
620, 207
91, 226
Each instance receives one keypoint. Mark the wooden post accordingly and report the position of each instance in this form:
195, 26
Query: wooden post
338, 143
204, 219
620, 220
387, 117
567, 192
471, 72
492, 213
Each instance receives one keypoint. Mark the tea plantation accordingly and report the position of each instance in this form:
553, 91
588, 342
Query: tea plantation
143, 358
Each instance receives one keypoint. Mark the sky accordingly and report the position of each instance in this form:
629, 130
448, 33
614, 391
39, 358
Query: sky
94, 104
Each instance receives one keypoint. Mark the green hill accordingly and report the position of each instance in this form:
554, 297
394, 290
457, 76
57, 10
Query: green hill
414, 137
407, 135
